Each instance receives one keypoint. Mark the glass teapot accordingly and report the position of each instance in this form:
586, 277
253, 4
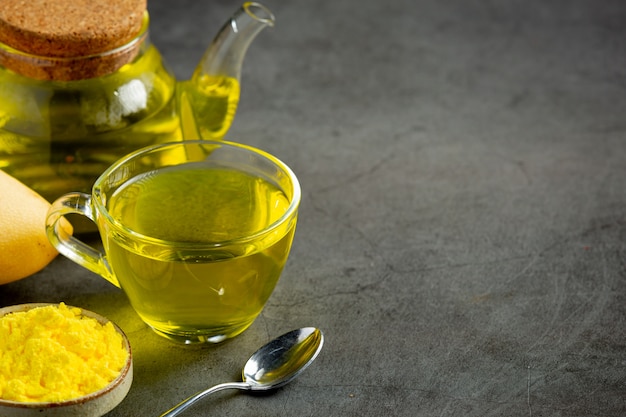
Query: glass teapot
65, 117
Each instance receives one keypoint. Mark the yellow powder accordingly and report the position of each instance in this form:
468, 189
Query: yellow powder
53, 353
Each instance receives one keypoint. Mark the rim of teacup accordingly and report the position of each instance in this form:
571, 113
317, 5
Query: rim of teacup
290, 213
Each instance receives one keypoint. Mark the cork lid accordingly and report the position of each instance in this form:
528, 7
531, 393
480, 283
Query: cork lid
66, 31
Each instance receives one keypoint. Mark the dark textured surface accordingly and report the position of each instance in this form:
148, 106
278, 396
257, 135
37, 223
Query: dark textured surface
462, 238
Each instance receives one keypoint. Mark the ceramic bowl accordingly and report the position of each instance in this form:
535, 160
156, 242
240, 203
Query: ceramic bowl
95, 404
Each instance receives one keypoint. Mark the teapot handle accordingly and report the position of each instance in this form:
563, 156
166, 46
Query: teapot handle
68, 245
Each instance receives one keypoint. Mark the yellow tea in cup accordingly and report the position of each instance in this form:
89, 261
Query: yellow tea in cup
196, 233
175, 290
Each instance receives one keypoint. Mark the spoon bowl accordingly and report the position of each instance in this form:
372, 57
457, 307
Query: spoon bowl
281, 360
272, 366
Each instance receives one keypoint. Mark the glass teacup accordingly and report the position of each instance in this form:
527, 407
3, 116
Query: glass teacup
196, 233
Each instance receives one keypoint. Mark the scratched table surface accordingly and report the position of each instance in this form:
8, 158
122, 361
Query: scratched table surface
462, 233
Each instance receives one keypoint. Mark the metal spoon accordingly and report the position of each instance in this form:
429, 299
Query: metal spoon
274, 365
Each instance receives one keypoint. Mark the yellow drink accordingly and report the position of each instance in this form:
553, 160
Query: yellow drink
59, 136
207, 106
206, 269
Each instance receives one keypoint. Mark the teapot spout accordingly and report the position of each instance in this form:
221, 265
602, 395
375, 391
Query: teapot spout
209, 99
225, 55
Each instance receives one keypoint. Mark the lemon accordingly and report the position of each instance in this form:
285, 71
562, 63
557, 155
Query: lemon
24, 247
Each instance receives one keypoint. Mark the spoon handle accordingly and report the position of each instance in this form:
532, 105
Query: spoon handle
191, 400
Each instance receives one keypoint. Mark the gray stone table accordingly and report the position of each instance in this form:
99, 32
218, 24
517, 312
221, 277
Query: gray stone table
462, 233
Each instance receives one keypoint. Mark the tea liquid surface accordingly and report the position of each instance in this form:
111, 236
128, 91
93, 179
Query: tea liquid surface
178, 291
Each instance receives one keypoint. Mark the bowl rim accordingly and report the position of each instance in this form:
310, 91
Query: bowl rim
124, 372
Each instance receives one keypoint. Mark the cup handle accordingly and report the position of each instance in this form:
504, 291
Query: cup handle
68, 245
